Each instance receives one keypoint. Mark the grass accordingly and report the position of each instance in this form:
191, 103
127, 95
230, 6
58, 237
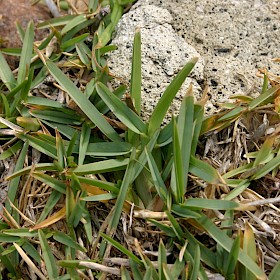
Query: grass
94, 192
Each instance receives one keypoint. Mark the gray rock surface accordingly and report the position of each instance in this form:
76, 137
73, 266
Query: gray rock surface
164, 53
234, 38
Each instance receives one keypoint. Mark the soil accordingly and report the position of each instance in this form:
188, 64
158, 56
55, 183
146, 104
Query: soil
21, 11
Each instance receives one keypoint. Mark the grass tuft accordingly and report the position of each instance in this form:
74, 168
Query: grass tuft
94, 192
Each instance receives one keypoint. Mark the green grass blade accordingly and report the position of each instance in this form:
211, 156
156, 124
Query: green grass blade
76, 30
37, 167
177, 269
185, 132
25, 90
207, 255
72, 143
169, 231
84, 141
179, 188
127, 180
11, 51
125, 274
198, 120
5, 260
135, 84
100, 167
73, 23
59, 21
9, 239
78, 210
175, 226
48, 256
167, 97
265, 151
196, 264
35, 100
11, 151
275, 273
52, 201
70, 44
26, 53
106, 49
46, 41
162, 260
56, 116
265, 83
61, 154
14, 183
239, 170
107, 186
100, 197
148, 274
65, 130
92, 5
135, 270
167, 274
21, 232
6, 74
264, 98
88, 226
121, 248
70, 200
50, 181
165, 136
184, 211
226, 242
31, 251
232, 114
68, 241
125, 2
249, 247
84, 53
105, 149
100, 104
28, 123
39, 144
266, 168
237, 190
122, 111
275, 170
5, 106
205, 171
214, 204
106, 35
142, 160
15, 91
157, 179
232, 258
81, 100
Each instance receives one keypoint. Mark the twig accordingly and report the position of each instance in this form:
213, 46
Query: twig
53, 8
264, 201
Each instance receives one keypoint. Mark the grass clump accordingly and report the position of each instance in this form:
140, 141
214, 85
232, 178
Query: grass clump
93, 191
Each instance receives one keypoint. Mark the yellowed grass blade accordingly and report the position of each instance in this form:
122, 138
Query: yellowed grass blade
29, 262
51, 220
9, 218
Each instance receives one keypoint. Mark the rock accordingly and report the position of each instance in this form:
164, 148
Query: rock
21, 11
164, 53
235, 37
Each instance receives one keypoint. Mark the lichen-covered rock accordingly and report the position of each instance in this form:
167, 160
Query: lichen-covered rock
21, 11
235, 37
164, 53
